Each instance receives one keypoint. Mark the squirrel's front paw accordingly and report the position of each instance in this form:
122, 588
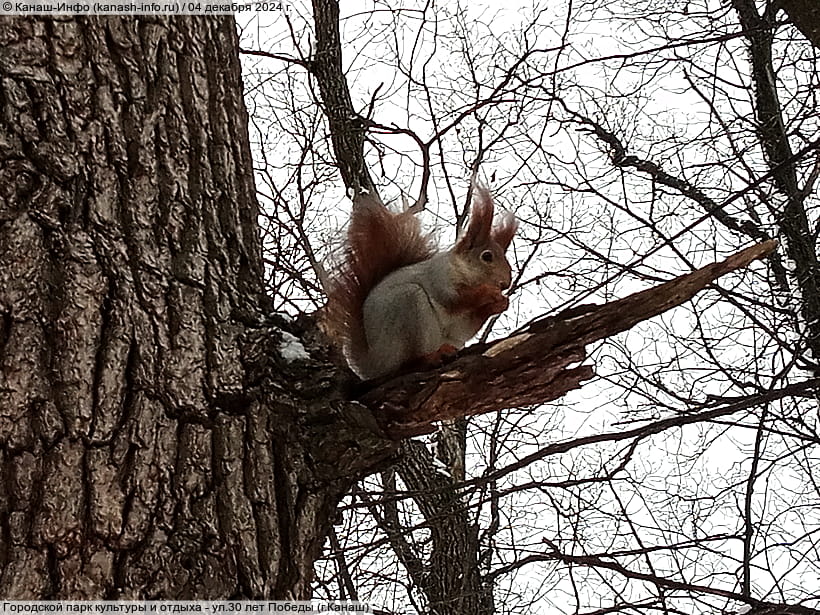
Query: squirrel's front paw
500, 304
494, 301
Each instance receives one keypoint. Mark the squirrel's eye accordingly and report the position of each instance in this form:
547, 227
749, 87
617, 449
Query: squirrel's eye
487, 256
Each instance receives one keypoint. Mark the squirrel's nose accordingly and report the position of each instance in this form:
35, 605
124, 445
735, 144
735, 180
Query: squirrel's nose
503, 284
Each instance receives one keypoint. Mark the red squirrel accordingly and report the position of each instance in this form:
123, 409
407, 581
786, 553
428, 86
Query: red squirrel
395, 301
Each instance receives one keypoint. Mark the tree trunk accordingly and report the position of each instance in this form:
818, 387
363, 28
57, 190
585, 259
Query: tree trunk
776, 142
153, 444
805, 14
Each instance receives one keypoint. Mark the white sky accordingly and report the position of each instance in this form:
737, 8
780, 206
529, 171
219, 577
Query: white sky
663, 111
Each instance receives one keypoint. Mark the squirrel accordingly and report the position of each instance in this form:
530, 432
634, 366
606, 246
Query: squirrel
395, 301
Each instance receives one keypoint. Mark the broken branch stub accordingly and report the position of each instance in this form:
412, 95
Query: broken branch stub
536, 364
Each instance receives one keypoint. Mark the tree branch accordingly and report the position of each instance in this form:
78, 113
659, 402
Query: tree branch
772, 129
347, 131
805, 15
534, 365
759, 607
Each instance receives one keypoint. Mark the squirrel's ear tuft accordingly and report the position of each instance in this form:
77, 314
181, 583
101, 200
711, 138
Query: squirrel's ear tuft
480, 225
504, 231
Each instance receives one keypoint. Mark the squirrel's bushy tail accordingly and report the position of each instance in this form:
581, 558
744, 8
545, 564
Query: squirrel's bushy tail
378, 242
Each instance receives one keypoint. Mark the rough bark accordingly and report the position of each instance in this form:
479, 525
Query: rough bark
152, 442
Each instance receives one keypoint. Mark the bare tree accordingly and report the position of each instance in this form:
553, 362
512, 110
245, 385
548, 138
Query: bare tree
673, 134
163, 435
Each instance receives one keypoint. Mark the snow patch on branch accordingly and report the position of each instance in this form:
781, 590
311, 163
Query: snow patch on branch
292, 349
439, 467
